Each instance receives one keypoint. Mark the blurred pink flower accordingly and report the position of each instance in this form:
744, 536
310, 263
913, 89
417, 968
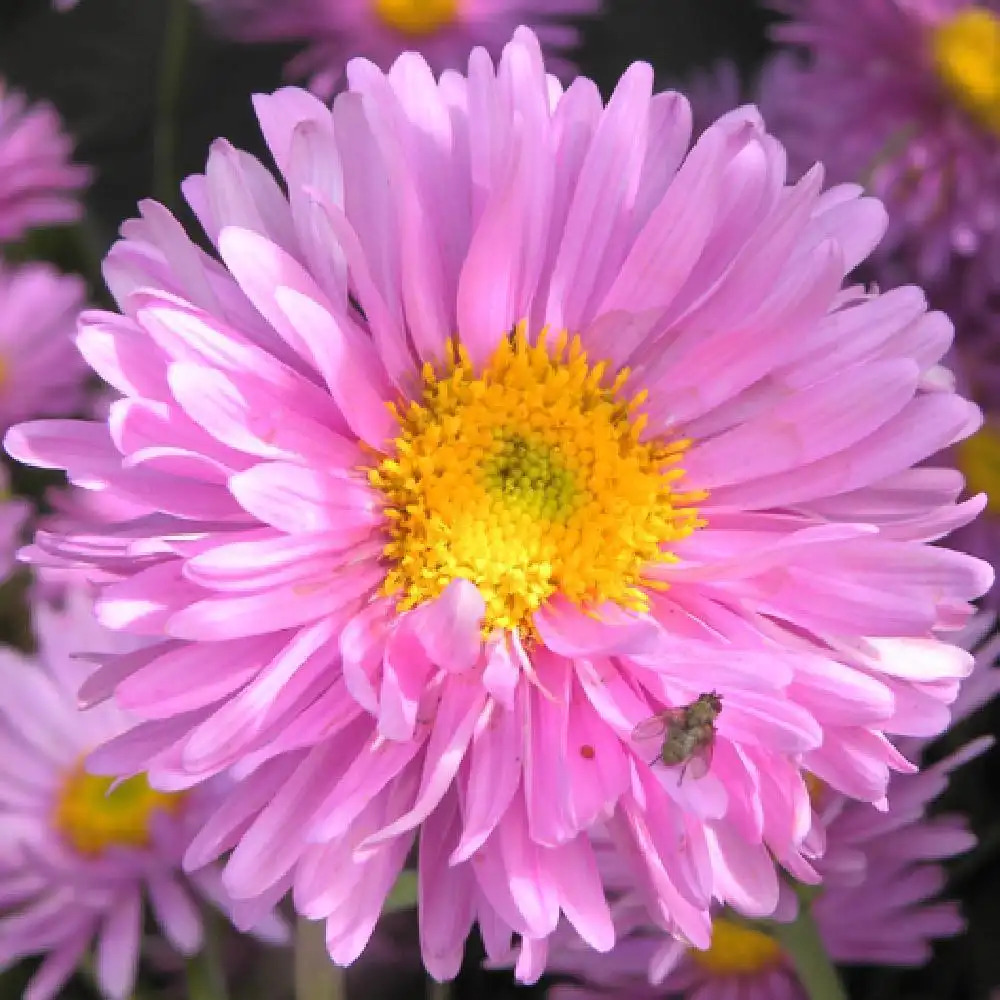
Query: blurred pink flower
41, 371
444, 32
879, 904
39, 186
14, 514
78, 858
904, 97
423, 561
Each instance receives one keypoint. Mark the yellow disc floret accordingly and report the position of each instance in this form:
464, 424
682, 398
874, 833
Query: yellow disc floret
417, 17
966, 50
737, 950
529, 478
92, 816
979, 460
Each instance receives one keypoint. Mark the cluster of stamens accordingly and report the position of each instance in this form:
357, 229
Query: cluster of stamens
529, 477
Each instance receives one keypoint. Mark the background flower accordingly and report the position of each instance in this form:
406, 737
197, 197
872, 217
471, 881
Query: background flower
78, 857
904, 98
443, 31
41, 372
39, 186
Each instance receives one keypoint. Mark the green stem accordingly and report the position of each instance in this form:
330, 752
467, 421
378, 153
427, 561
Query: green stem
438, 991
205, 977
316, 976
802, 943
167, 100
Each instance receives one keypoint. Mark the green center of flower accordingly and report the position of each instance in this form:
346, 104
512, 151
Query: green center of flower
737, 950
529, 478
966, 52
417, 17
92, 816
979, 460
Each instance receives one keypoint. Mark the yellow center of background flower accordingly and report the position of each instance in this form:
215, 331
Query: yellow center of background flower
93, 817
417, 17
529, 479
966, 52
979, 460
737, 950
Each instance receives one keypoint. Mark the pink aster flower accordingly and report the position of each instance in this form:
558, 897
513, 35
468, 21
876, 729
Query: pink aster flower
41, 372
80, 859
443, 31
39, 186
879, 904
504, 424
905, 98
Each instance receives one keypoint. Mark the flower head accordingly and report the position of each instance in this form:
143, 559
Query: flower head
905, 98
80, 853
41, 372
39, 186
443, 31
514, 425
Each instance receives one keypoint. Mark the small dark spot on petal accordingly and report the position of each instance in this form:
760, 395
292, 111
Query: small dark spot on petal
587, 752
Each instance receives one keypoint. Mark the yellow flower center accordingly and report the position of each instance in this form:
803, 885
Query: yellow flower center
737, 950
529, 479
417, 17
966, 52
979, 460
92, 816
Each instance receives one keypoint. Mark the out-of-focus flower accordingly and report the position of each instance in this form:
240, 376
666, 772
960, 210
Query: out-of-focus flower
879, 904
905, 98
39, 186
513, 424
79, 856
14, 513
41, 371
444, 32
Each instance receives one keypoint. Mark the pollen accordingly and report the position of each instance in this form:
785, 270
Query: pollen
979, 459
966, 51
417, 17
737, 950
93, 816
530, 478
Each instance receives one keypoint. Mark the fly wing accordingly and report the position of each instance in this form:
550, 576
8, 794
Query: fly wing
650, 734
699, 763
652, 728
